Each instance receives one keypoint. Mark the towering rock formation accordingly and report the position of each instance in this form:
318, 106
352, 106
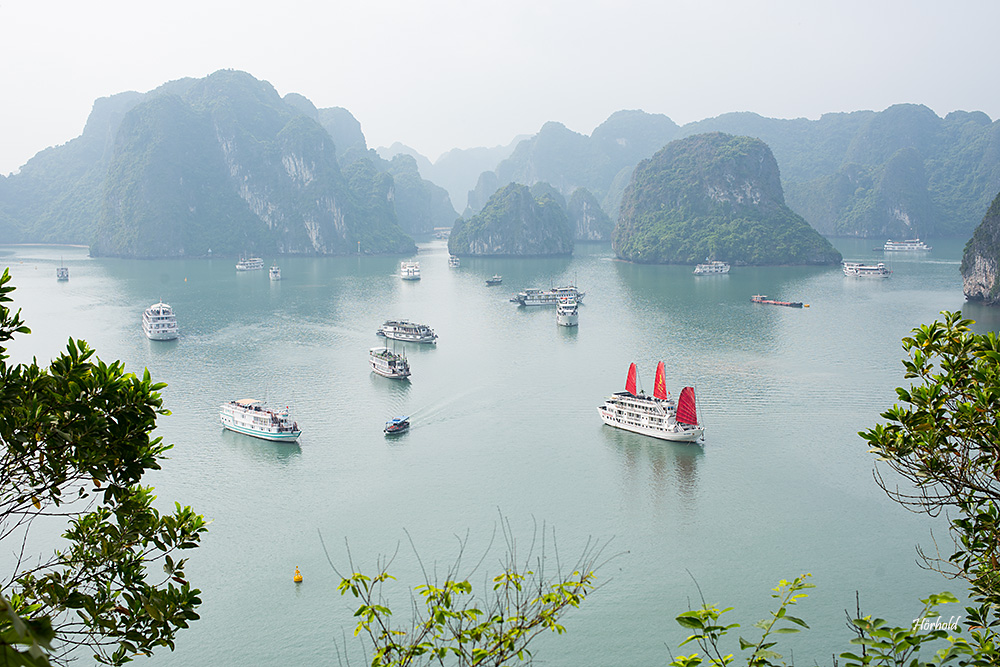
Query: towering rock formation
982, 255
714, 196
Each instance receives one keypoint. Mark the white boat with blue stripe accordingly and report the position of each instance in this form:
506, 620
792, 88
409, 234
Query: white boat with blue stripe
251, 417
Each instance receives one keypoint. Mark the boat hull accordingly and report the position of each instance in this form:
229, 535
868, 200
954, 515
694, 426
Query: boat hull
273, 437
378, 369
163, 335
408, 338
674, 432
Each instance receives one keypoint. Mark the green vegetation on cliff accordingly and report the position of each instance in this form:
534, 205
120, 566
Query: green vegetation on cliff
513, 222
981, 259
231, 167
221, 163
714, 196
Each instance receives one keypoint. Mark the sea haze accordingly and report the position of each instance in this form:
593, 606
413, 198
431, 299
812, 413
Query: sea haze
505, 423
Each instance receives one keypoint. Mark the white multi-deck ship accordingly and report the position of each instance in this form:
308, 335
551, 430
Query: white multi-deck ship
411, 332
567, 313
251, 417
656, 416
908, 244
159, 322
409, 270
274, 272
711, 268
859, 270
62, 272
388, 364
250, 264
454, 262
534, 296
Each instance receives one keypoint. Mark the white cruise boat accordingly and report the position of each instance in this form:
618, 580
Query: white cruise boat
388, 364
159, 322
251, 417
409, 270
250, 264
275, 272
656, 416
859, 270
454, 262
534, 296
711, 268
909, 244
62, 272
567, 313
407, 331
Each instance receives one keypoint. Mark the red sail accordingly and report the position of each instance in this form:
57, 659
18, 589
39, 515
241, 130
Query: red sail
630, 381
660, 383
685, 407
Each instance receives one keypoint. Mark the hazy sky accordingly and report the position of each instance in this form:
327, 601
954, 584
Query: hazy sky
440, 74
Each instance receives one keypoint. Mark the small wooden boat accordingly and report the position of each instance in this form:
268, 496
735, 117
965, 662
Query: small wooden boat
495, 280
397, 425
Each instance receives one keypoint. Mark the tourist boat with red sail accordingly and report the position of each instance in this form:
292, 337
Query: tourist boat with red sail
760, 298
657, 416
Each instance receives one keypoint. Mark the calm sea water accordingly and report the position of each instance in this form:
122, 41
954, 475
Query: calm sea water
505, 425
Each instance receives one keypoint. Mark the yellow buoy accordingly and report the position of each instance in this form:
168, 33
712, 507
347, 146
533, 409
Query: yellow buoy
298, 576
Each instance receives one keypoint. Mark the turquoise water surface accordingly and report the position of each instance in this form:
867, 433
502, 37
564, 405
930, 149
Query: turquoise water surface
505, 425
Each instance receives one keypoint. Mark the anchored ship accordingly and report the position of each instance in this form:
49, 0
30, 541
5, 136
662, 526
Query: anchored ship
534, 296
657, 416
410, 332
159, 322
251, 417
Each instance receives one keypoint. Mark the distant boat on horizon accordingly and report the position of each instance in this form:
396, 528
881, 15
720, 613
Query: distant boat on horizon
250, 264
907, 245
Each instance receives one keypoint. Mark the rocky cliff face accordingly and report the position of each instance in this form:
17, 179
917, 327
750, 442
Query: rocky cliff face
588, 219
714, 196
982, 255
221, 163
231, 167
513, 222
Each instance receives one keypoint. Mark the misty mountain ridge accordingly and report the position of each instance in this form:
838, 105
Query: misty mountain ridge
221, 164
901, 172
455, 170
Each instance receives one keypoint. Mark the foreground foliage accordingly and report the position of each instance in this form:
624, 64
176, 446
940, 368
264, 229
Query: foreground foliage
875, 642
943, 437
74, 444
944, 440
452, 625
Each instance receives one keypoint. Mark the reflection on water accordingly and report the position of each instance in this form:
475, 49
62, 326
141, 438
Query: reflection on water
661, 466
258, 449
